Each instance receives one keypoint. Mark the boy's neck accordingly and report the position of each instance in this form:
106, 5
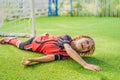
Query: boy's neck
73, 45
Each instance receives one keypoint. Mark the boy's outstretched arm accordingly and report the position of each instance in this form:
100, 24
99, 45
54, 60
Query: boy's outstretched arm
46, 58
75, 56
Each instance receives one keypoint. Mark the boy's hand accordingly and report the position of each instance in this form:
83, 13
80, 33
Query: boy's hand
92, 67
25, 62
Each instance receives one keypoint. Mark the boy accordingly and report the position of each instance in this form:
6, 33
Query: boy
57, 48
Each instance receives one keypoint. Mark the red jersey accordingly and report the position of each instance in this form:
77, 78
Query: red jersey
47, 45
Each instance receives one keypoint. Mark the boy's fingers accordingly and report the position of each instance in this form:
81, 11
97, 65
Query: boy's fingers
23, 60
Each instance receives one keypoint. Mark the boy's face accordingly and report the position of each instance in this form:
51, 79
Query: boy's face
84, 44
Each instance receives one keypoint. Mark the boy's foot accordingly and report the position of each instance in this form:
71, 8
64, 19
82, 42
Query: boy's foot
25, 62
6, 40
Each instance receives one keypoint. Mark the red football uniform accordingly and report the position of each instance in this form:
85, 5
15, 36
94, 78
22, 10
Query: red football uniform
47, 45
44, 44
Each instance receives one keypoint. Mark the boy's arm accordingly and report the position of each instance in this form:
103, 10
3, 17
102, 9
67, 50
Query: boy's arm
75, 56
46, 58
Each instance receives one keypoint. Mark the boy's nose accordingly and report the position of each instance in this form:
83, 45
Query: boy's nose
85, 46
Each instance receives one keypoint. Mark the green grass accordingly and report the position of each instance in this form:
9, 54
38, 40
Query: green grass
106, 33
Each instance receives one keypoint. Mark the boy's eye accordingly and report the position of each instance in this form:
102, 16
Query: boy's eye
87, 42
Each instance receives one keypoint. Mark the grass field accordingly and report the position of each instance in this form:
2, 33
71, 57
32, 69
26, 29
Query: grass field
106, 33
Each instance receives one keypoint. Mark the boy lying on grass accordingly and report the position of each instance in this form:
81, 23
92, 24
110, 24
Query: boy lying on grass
56, 48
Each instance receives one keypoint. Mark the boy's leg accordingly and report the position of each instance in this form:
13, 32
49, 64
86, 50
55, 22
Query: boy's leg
27, 45
10, 40
14, 41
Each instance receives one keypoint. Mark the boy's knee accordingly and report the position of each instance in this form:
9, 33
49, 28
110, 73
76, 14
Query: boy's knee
21, 46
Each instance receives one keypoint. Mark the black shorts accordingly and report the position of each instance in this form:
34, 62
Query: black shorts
26, 45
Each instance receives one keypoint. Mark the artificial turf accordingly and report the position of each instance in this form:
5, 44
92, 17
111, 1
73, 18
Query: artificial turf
104, 30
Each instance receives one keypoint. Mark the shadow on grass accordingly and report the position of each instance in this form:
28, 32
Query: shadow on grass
106, 68
91, 60
76, 67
